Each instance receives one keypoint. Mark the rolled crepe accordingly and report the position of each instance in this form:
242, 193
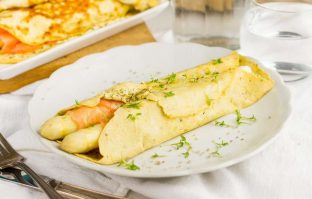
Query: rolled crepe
157, 111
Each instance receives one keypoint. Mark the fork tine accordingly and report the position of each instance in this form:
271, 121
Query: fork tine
6, 144
3, 151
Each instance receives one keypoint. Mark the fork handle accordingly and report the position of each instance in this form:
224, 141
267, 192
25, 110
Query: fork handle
44, 186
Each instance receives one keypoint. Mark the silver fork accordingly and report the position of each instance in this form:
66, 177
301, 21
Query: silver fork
10, 158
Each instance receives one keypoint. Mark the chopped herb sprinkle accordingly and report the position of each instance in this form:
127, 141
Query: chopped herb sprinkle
77, 102
130, 166
135, 105
216, 153
133, 117
214, 76
207, 72
217, 61
208, 100
194, 79
161, 85
221, 144
154, 80
171, 78
156, 155
169, 94
222, 124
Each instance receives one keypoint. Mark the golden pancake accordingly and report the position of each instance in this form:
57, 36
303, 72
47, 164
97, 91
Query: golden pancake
55, 21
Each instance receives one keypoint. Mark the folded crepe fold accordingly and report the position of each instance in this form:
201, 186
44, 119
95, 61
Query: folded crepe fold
197, 96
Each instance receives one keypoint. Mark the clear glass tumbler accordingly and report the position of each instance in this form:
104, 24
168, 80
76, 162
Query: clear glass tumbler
278, 33
209, 22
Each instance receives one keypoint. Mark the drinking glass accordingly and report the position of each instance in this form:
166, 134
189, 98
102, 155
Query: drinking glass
279, 33
209, 22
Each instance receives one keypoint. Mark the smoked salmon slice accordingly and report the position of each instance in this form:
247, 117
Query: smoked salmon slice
88, 116
10, 45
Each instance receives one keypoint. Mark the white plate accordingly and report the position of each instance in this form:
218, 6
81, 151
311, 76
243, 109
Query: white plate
96, 72
8, 71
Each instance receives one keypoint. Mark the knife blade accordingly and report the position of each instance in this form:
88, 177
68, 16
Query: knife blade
68, 191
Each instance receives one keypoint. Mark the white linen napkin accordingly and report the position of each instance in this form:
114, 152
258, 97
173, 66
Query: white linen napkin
281, 171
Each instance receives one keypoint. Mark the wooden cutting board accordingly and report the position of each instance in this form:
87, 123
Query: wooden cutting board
133, 36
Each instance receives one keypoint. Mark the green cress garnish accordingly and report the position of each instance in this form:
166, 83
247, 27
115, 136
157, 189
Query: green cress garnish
187, 153
221, 144
217, 61
77, 102
154, 80
161, 85
135, 105
156, 155
133, 117
168, 80
183, 143
218, 146
169, 94
222, 124
216, 153
240, 119
130, 166
171, 78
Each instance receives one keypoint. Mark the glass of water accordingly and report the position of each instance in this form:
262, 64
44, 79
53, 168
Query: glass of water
279, 33
209, 22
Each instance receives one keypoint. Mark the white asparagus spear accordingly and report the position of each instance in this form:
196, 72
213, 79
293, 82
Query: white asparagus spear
83, 140
58, 127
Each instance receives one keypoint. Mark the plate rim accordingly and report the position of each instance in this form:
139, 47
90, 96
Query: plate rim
123, 172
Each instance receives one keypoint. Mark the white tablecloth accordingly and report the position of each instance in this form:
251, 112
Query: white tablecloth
282, 171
